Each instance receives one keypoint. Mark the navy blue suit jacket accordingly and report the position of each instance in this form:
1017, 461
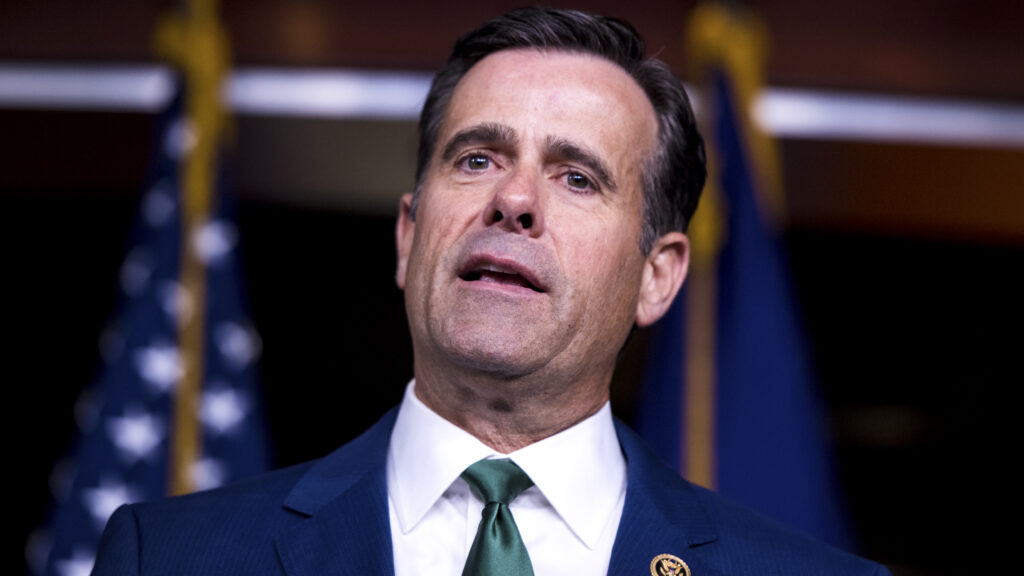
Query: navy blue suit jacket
330, 518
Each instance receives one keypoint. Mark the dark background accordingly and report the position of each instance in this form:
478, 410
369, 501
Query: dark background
906, 256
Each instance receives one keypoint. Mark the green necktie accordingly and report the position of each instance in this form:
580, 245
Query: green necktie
497, 550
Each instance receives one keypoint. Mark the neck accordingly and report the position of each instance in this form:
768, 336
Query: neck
509, 414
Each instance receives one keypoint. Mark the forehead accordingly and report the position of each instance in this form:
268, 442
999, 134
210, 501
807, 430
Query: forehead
544, 94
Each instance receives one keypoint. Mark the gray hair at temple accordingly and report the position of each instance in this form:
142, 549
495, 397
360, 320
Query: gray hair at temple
672, 179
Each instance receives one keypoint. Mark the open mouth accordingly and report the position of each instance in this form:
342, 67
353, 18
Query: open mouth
499, 278
499, 274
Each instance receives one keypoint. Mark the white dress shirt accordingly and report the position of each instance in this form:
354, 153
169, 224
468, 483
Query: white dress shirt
568, 519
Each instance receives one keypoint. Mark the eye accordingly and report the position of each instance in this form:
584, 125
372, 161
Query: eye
476, 162
578, 181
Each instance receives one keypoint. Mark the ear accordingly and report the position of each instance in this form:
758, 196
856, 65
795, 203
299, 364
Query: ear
664, 272
405, 231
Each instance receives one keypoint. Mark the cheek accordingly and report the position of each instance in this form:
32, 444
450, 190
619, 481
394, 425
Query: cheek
422, 264
600, 244
608, 269
446, 212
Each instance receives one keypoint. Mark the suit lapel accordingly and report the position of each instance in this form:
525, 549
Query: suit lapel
344, 500
661, 515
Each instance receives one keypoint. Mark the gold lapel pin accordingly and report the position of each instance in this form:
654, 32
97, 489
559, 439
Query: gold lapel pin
669, 565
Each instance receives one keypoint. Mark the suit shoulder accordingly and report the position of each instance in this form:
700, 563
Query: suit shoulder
225, 531
233, 530
748, 537
268, 489
732, 538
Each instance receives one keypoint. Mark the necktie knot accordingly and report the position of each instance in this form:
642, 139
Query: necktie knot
496, 480
498, 549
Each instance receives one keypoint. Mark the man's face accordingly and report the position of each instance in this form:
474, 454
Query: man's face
524, 255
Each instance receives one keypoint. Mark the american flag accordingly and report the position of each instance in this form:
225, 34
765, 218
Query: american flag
130, 424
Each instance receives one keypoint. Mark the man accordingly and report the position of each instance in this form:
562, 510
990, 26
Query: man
557, 172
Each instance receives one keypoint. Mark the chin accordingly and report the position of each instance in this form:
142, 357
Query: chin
501, 355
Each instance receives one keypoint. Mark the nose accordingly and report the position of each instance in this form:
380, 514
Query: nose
515, 206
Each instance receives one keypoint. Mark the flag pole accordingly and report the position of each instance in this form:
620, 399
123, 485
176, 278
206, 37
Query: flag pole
194, 40
722, 37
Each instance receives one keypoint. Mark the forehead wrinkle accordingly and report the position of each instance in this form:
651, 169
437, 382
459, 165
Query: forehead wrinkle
566, 149
486, 133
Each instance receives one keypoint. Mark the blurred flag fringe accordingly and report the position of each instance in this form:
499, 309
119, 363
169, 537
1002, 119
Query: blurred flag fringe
177, 407
729, 395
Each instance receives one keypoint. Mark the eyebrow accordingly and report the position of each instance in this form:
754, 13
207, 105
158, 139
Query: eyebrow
503, 136
571, 151
488, 133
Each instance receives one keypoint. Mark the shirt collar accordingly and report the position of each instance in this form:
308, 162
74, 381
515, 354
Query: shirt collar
580, 471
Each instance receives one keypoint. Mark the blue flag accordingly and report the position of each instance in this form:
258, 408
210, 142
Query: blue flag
730, 396
131, 422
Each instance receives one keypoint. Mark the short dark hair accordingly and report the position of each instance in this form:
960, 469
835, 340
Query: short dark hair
672, 179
